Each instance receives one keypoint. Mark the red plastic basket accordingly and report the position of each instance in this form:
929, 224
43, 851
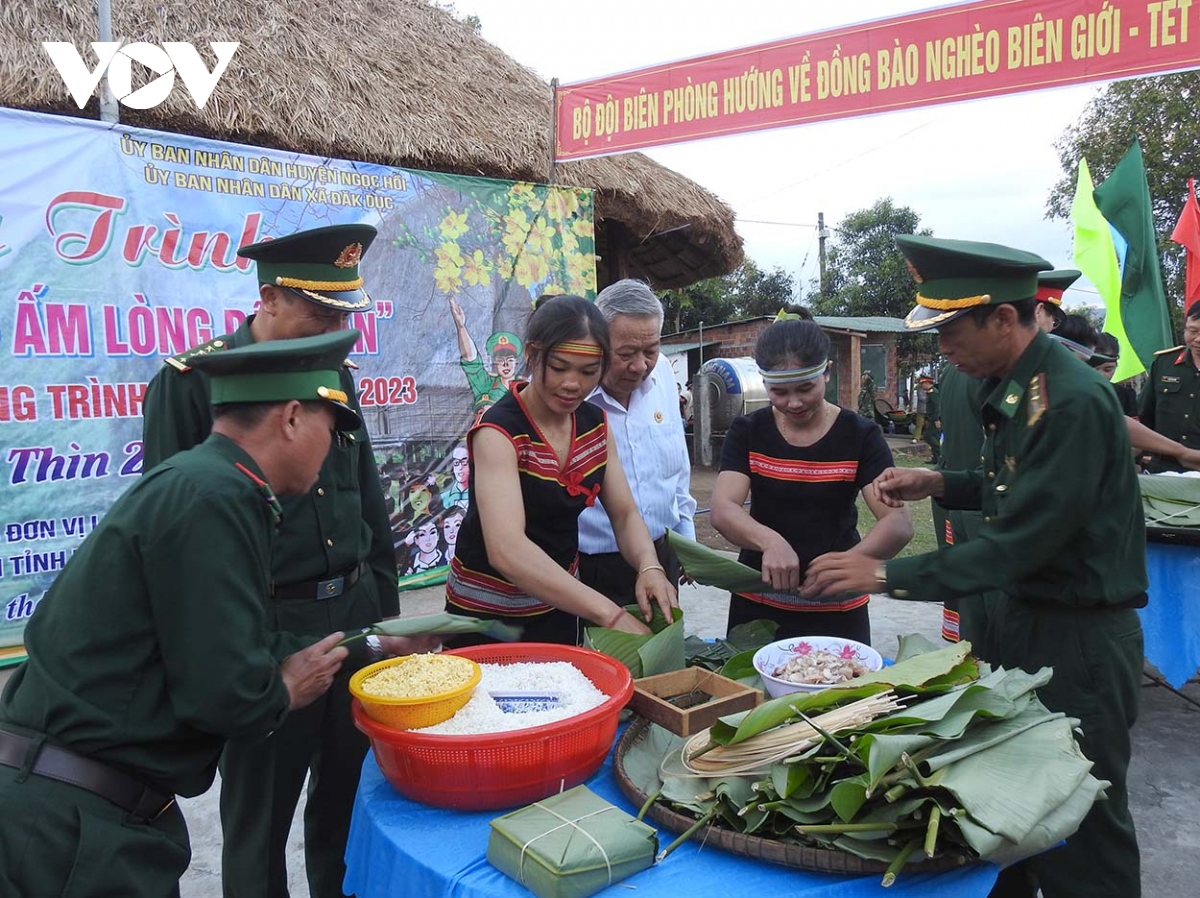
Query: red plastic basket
510, 769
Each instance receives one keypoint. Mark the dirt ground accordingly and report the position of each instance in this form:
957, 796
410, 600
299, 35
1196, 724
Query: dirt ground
703, 480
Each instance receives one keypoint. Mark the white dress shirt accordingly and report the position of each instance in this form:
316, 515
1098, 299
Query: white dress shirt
652, 448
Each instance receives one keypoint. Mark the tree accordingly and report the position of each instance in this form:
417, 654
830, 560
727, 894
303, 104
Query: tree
866, 275
1161, 113
745, 293
865, 272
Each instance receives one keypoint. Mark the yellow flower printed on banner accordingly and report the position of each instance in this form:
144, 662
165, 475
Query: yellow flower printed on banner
541, 238
553, 290
581, 274
448, 273
560, 204
447, 279
522, 193
570, 246
449, 255
531, 269
514, 239
475, 270
454, 225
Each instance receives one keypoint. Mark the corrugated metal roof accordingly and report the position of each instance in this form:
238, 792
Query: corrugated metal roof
871, 324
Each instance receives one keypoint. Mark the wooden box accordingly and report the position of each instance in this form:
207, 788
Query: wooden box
689, 700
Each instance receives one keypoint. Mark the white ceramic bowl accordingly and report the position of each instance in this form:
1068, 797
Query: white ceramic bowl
777, 653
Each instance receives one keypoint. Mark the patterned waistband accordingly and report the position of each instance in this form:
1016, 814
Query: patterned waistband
790, 601
476, 591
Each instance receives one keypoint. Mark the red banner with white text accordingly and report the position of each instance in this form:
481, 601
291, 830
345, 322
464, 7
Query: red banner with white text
936, 56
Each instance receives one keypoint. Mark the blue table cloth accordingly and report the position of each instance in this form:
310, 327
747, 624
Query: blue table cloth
399, 847
1171, 620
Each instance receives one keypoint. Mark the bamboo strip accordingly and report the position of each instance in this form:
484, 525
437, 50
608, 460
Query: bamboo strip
702, 757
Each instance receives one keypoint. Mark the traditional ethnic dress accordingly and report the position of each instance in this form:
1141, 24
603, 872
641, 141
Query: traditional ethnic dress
552, 501
807, 495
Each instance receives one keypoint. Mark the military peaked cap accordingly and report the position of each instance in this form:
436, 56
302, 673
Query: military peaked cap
321, 264
306, 368
955, 276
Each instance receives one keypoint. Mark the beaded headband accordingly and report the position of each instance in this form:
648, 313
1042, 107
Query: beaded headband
794, 375
580, 348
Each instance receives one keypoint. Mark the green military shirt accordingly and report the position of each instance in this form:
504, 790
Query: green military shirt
151, 647
486, 388
931, 405
962, 427
1062, 514
341, 521
1169, 402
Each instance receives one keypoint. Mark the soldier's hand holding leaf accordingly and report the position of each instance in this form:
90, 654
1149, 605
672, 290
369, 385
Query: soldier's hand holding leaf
895, 486
842, 572
308, 673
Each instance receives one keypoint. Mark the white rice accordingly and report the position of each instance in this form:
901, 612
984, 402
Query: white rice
482, 715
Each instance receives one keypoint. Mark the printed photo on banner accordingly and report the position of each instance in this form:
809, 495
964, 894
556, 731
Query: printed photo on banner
118, 249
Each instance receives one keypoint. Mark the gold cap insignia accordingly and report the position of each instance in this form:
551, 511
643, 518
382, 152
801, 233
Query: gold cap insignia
349, 257
912, 269
335, 395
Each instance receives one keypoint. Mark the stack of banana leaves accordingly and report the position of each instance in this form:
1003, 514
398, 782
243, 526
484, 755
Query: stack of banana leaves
966, 762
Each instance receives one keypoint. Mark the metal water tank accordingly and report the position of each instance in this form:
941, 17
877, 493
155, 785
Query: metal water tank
733, 387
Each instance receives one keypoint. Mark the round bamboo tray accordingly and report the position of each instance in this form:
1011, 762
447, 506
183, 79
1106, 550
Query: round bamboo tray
787, 854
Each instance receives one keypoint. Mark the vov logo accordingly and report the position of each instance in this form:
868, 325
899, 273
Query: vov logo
115, 60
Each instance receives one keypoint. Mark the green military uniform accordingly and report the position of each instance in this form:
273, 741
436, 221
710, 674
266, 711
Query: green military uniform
933, 433
866, 397
148, 651
1169, 404
962, 437
486, 387
339, 530
1062, 537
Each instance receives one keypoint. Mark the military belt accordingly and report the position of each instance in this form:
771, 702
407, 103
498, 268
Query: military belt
66, 766
309, 590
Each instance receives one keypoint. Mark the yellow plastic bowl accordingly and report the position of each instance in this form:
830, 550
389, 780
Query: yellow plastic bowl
414, 713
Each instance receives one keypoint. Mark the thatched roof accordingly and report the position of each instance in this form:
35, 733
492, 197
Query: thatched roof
397, 82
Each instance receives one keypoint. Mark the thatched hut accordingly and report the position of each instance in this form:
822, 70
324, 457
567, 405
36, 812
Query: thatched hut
397, 82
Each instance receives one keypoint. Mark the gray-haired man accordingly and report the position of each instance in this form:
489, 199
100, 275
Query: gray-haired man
640, 395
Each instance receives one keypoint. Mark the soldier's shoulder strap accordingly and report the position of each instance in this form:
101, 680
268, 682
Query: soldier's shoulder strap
181, 362
1168, 349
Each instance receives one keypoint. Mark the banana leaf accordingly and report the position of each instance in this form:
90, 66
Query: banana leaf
1001, 695
741, 668
910, 673
421, 579
1059, 823
1012, 786
440, 624
710, 567
641, 761
644, 655
713, 654
1169, 500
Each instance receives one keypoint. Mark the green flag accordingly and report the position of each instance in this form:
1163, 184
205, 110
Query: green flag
1096, 257
1124, 199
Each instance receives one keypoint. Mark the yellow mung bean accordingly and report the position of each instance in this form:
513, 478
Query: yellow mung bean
419, 676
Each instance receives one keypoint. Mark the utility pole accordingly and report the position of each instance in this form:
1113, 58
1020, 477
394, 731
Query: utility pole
822, 236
